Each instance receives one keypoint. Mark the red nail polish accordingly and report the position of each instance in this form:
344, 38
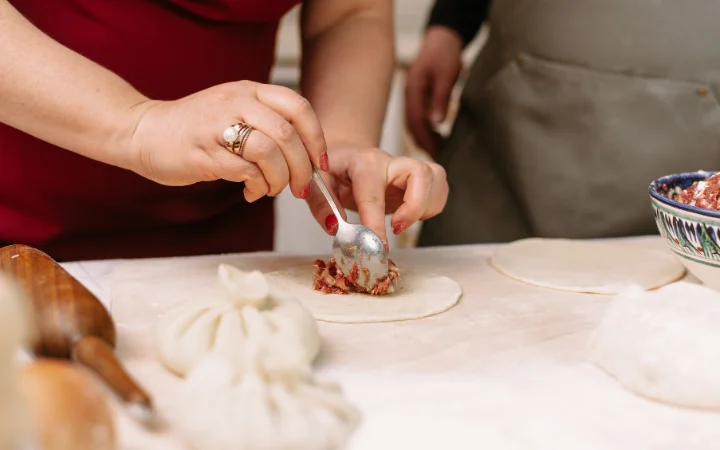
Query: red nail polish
306, 192
324, 164
331, 222
399, 227
385, 244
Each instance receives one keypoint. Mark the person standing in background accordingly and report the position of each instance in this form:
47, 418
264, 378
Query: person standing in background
569, 111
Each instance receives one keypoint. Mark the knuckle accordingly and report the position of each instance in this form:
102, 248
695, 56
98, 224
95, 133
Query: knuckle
426, 171
253, 173
265, 148
318, 138
227, 93
369, 157
438, 171
370, 200
413, 211
246, 84
276, 187
257, 186
207, 167
208, 173
278, 182
285, 131
302, 104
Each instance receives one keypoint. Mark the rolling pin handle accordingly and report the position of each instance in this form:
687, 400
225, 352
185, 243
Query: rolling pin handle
98, 356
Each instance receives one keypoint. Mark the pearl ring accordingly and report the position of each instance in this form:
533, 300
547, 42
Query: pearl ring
236, 136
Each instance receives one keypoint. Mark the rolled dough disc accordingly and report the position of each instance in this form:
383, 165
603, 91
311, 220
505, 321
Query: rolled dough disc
418, 294
664, 344
582, 266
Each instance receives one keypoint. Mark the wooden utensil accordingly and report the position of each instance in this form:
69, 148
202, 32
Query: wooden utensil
71, 323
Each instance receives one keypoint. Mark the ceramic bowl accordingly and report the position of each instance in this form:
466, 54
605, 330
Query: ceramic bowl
692, 233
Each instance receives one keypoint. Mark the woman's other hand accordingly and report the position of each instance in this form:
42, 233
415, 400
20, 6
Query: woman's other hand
429, 84
181, 142
373, 183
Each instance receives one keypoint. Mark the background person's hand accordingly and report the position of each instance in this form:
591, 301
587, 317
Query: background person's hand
181, 142
429, 85
373, 183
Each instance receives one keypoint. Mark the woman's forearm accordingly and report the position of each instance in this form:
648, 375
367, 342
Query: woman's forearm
348, 60
59, 96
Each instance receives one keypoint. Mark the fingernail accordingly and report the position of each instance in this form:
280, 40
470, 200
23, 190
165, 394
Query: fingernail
385, 244
331, 223
305, 192
399, 227
436, 117
324, 164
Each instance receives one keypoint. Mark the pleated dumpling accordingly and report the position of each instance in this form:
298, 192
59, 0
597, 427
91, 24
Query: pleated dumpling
248, 316
222, 409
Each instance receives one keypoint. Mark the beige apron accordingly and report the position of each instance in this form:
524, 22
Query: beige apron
570, 111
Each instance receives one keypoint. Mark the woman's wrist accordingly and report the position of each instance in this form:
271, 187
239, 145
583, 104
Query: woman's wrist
125, 143
348, 140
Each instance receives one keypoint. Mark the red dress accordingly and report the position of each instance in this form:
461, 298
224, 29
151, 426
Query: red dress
75, 208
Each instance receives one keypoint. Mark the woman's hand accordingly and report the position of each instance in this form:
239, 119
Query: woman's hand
373, 183
430, 81
181, 142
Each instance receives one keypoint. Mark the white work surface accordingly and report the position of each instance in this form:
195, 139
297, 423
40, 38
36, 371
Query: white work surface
504, 369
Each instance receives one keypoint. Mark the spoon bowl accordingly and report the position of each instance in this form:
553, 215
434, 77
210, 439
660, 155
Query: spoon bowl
356, 247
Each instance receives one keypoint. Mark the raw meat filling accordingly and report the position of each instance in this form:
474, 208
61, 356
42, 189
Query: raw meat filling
703, 194
329, 279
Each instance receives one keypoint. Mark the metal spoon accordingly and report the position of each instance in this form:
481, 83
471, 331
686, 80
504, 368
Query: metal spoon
356, 244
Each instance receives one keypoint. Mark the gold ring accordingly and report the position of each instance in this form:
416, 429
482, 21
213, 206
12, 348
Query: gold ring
236, 136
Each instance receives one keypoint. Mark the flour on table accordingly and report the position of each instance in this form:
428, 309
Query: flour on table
417, 295
581, 266
664, 344
222, 409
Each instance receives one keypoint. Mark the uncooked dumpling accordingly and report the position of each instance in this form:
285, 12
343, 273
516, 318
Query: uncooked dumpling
15, 426
581, 266
222, 409
417, 295
228, 326
664, 344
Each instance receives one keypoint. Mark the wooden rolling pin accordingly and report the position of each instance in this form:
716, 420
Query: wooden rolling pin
71, 323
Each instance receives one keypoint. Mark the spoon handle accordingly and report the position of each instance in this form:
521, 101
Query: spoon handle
321, 184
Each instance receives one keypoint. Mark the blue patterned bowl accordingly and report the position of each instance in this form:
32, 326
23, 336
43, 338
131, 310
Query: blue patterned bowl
692, 233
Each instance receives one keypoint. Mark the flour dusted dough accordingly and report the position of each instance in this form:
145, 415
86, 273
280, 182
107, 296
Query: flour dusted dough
222, 409
664, 344
417, 295
582, 266
247, 316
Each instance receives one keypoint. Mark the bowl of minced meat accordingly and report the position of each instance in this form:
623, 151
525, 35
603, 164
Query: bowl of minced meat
686, 207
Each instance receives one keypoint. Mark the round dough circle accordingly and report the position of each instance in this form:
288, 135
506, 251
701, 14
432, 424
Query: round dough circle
664, 344
418, 294
588, 267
